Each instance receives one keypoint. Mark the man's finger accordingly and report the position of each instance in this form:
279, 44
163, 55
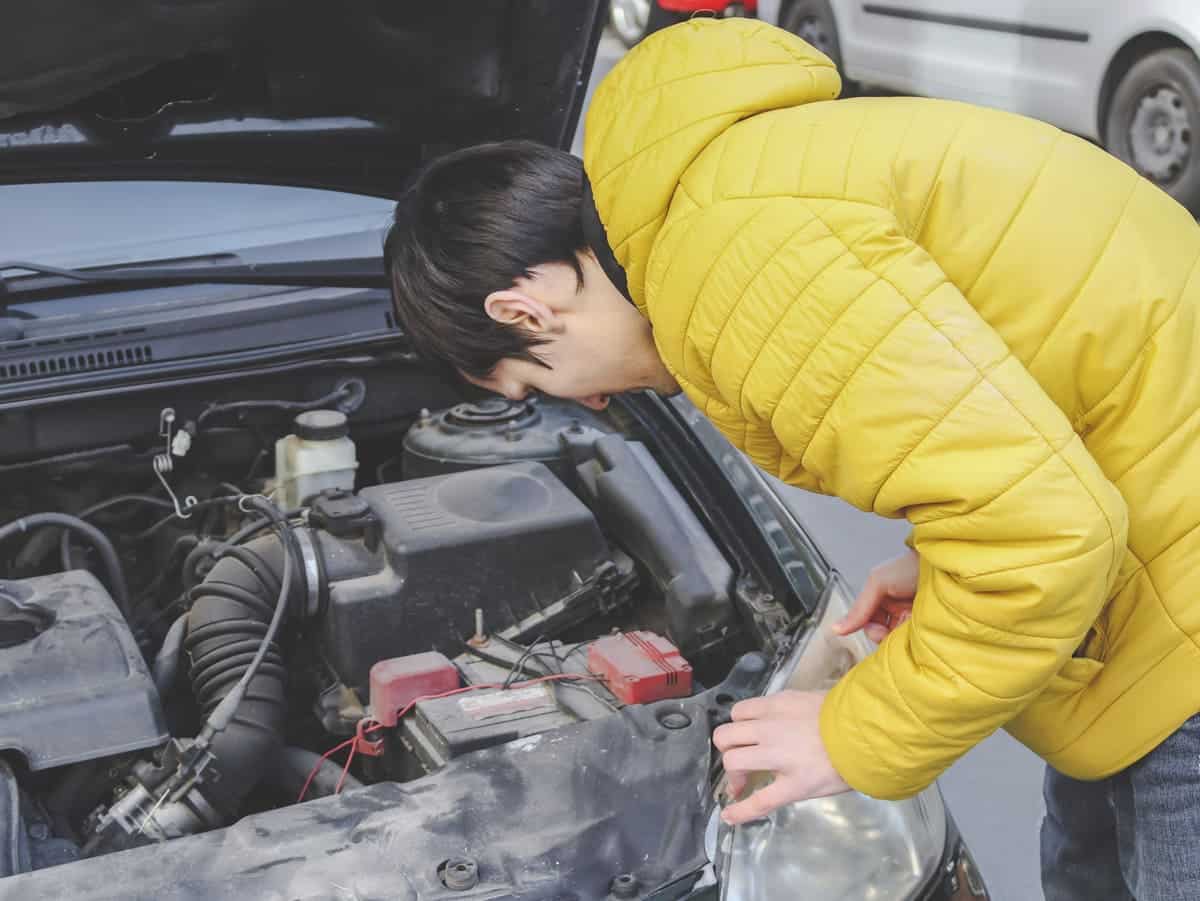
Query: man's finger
735, 784
864, 607
735, 735
876, 632
761, 708
755, 759
759, 804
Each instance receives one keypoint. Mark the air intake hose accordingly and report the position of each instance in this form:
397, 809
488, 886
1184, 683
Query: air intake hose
230, 612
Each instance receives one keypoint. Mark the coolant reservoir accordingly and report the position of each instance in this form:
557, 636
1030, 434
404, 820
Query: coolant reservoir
318, 455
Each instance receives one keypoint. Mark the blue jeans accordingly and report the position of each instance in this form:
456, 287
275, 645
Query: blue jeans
1134, 836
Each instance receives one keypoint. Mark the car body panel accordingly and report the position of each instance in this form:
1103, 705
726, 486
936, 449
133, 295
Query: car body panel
1046, 60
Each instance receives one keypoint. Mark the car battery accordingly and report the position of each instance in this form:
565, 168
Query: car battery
440, 729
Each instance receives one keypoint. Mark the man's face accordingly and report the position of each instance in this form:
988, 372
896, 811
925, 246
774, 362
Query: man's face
597, 344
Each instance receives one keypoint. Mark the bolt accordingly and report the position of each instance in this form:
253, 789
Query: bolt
675, 720
460, 874
624, 886
480, 638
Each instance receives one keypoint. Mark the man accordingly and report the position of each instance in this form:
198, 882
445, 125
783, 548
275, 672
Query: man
934, 311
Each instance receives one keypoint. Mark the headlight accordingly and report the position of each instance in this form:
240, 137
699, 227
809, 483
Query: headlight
847, 846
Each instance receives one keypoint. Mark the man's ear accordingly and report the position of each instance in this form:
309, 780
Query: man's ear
513, 307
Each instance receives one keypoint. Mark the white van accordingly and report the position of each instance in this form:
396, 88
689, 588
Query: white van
1122, 72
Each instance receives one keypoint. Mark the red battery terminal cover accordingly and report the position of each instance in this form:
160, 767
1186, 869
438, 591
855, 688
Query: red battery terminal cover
640, 667
398, 681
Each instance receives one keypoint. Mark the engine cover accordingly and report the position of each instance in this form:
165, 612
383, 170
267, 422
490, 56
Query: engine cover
511, 540
78, 689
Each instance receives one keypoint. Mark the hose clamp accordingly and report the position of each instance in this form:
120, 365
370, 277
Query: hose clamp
312, 570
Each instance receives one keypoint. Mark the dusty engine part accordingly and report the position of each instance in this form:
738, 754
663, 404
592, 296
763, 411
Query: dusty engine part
495, 431
631, 492
70, 658
613, 671
225, 627
511, 540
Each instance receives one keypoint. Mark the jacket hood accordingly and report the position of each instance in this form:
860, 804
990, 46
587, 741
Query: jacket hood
668, 99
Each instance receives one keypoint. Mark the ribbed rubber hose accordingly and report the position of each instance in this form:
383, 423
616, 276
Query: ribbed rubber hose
230, 612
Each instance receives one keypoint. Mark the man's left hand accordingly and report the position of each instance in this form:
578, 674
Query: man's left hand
776, 734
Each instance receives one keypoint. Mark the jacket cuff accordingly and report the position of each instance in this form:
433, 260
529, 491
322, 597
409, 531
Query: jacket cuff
849, 752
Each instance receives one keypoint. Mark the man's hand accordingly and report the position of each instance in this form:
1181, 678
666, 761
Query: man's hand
777, 734
886, 600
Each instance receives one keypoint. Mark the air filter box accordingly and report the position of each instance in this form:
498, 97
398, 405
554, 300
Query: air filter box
511, 540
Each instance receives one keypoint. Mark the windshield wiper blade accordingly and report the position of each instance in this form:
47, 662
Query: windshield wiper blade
47, 282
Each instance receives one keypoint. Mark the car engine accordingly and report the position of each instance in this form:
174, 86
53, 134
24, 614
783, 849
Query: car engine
516, 569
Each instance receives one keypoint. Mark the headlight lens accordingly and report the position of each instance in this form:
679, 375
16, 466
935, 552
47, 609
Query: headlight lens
847, 846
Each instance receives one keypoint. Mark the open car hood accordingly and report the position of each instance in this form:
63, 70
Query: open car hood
346, 96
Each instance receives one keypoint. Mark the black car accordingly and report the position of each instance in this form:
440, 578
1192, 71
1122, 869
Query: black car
285, 611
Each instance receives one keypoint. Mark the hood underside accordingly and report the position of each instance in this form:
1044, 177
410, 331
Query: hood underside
346, 96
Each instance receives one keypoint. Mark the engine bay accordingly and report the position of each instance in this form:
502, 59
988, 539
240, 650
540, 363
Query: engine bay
189, 636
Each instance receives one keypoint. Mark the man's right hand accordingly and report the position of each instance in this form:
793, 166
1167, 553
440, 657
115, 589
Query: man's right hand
886, 600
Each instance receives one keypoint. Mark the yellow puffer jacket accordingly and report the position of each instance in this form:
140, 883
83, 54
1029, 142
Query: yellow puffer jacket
949, 314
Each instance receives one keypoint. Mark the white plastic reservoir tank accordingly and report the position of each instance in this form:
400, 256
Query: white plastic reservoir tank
318, 455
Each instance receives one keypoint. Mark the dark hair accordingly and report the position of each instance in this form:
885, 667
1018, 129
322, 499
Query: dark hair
473, 222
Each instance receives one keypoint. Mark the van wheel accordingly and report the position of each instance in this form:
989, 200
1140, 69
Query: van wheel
814, 21
1154, 122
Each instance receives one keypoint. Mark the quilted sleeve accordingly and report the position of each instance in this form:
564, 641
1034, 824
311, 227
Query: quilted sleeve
833, 349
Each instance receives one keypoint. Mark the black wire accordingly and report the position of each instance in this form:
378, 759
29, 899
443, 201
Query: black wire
583, 646
520, 660
501, 661
258, 458
166, 520
190, 542
64, 542
148, 499
158, 617
282, 406
553, 653
108, 554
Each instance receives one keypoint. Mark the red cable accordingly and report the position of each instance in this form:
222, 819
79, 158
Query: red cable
346, 768
352, 742
317, 767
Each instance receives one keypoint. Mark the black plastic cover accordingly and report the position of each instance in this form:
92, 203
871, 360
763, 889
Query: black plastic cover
512, 540
79, 690
552, 817
658, 528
